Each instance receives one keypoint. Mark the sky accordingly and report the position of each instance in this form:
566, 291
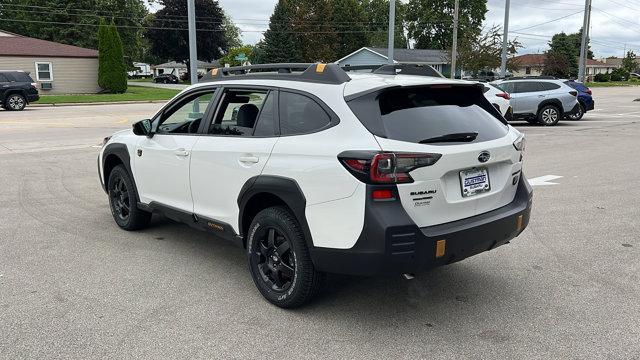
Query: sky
614, 23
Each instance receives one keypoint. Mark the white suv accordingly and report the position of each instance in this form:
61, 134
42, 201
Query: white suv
324, 171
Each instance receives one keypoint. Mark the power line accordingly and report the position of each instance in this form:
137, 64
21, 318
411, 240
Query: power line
550, 21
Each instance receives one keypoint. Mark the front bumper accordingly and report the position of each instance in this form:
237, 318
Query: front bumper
391, 243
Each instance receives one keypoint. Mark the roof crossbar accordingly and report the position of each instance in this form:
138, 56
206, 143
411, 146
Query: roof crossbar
306, 72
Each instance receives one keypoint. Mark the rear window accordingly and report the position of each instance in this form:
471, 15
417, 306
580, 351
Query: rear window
414, 114
549, 86
576, 86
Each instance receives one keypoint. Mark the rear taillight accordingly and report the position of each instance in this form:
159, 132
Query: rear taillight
385, 167
574, 93
504, 95
589, 92
35, 85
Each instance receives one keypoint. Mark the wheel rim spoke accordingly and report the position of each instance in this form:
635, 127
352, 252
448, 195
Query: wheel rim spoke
271, 238
286, 270
271, 257
283, 248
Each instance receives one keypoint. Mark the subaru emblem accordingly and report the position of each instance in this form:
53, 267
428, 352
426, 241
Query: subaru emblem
484, 156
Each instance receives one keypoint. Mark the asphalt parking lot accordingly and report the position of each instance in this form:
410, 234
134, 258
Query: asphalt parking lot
73, 285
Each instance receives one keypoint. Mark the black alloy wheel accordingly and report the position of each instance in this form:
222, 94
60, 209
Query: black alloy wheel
15, 102
279, 259
119, 196
274, 259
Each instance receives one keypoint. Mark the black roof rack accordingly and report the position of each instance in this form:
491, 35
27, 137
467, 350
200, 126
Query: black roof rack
542, 77
308, 72
396, 69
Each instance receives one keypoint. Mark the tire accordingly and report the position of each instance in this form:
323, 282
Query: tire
123, 201
279, 259
549, 115
15, 102
577, 116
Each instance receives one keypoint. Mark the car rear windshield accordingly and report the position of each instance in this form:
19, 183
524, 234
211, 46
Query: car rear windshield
414, 114
576, 85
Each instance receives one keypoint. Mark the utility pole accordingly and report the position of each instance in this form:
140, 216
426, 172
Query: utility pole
193, 50
585, 44
505, 37
392, 29
454, 48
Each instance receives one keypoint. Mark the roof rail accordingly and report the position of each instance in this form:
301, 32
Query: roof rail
396, 69
307, 72
542, 77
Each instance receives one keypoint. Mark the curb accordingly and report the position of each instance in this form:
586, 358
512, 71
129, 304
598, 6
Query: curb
99, 103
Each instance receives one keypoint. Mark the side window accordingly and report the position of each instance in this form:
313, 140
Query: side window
507, 86
238, 112
527, 87
266, 119
300, 114
549, 86
3, 78
185, 118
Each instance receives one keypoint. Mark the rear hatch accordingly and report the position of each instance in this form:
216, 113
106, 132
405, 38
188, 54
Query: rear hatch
478, 166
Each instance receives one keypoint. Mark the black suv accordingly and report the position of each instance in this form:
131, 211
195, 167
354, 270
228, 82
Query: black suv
17, 89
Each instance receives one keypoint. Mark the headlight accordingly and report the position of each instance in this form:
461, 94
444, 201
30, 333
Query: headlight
519, 143
105, 140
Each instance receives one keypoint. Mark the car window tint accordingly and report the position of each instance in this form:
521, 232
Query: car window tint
185, 118
237, 113
546, 86
300, 114
3, 78
21, 77
506, 86
528, 86
265, 125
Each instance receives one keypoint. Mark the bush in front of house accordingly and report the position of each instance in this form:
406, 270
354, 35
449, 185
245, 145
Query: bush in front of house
601, 78
112, 69
619, 75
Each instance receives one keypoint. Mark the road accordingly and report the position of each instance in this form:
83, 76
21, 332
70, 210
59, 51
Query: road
73, 285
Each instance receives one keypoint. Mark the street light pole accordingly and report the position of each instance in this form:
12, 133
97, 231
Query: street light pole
505, 36
392, 28
454, 48
193, 50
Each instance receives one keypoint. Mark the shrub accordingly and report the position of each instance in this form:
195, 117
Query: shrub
601, 77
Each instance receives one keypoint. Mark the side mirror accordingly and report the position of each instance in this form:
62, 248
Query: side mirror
143, 127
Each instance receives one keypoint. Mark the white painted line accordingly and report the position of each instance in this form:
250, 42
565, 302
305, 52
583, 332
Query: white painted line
544, 180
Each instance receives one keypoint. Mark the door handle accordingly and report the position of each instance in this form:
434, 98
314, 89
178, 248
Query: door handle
181, 152
249, 159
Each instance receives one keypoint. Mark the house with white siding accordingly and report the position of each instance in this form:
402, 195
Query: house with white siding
57, 68
438, 59
178, 69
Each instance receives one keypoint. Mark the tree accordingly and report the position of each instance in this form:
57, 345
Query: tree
104, 51
576, 39
312, 21
281, 43
350, 21
174, 44
562, 57
430, 22
232, 33
629, 63
485, 51
230, 58
378, 23
112, 70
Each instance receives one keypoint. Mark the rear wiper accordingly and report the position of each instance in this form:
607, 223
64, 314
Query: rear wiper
455, 137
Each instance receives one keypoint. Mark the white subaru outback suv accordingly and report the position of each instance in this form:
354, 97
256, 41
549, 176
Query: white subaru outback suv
320, 171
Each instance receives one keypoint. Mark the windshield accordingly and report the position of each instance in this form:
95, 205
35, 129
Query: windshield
418, 113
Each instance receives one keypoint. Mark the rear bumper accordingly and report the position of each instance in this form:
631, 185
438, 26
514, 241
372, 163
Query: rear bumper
391, 243
590, 106
33, 97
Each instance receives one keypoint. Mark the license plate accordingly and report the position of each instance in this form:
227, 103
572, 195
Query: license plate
474, 181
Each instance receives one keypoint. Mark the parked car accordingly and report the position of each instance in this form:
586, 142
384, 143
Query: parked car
17, 89
324, 171
585, 99
540, 100
500, 99
166, 79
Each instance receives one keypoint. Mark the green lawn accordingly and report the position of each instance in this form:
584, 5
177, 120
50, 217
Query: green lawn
612, 83
134, 93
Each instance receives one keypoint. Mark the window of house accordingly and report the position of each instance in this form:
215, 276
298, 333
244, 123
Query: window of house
44, 71
527, 71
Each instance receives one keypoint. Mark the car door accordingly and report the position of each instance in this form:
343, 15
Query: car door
528, 96
161, 162
238, 142
4, 85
